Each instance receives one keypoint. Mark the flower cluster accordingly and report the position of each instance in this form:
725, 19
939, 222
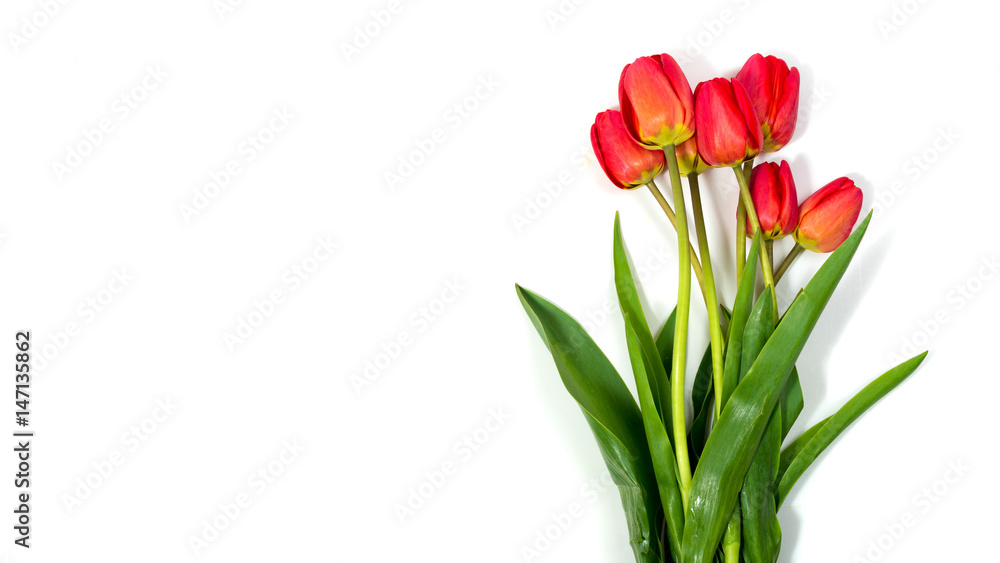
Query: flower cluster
724, 122
707, 488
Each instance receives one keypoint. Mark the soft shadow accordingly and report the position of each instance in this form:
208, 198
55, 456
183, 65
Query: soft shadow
807, 83
838, 316
791, 522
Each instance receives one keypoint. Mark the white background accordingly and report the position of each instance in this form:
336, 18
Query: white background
882, 88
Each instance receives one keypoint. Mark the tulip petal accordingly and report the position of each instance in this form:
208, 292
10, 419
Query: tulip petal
720, 127
836, 217
789, 217
656, 100
755, 136
784, 113
755, 76
626, 163
595, 141
764, 191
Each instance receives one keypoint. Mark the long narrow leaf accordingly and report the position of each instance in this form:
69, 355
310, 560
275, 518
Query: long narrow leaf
791, 402
761, 530
662, 454
628, 300
612, 414
842, 419
638, 500
738, 321
702, 399
789, 453
665, 341
759, 327
731, 445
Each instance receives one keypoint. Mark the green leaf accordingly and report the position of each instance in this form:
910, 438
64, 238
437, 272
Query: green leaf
611, 413
628, 300
638, 500
665, 341
733, 442
759, 327
791, 402
702, 399
738, 321
661, 452
793, 449
832, 427
761, 530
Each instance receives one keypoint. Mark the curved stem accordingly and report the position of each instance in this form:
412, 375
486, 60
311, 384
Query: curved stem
680, 331
769, 248
741, 239
794, 253
741, 229
731, 539
695, 264
711, 298
765, 262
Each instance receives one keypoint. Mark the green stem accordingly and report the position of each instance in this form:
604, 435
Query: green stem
794, 253
731, 540
741, 239
741, 229
695, 264
765, 262
680, 331
711, 297
769, 248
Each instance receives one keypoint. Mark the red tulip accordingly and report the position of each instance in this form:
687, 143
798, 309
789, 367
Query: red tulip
827, 217
656, 102
725, 123
626, 163
772, 190
774, 90
688, 159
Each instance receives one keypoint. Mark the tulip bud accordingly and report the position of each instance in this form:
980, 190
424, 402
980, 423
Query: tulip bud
773, 193
688, 159
774, 91
627, 164
657, 103
726, 124
827, 217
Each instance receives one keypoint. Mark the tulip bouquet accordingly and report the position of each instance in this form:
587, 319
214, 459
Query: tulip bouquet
706, 488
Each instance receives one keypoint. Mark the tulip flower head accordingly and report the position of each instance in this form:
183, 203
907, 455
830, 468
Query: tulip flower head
657, 102
627, 163
688, 159
726, 124
827, 216
774, 91
772, 190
